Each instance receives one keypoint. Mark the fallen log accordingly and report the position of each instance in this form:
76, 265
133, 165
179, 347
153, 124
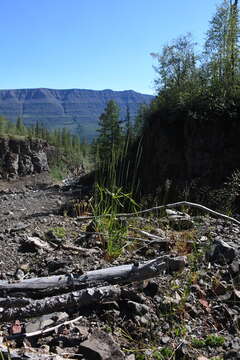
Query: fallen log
122, 274
71, 300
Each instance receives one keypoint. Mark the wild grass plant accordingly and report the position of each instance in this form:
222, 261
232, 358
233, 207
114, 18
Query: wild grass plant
116, 184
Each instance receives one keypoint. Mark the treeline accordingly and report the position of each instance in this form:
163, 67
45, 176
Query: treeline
205, 82
71, 151
61, 138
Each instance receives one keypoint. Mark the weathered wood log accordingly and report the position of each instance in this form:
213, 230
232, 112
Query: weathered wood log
71, 300
122, 274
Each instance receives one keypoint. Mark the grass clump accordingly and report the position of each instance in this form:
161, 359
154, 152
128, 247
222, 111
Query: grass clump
58, 172
211, 340
112, 228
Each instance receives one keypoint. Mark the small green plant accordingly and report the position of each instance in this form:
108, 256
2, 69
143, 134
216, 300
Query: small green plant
59, 232
58, 172
214, 340
210, 340
180, 331
163, 354
198, 343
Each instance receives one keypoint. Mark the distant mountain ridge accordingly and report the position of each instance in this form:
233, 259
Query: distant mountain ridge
76, 109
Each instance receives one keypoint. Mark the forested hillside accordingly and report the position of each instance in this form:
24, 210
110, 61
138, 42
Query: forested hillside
76, 110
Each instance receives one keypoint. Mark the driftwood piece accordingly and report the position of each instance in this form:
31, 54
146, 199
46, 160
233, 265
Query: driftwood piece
37, 243
71, 300
155, 238
81, 250
173, 205
122, 274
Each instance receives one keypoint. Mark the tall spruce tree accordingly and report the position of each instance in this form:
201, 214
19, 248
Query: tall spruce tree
110, 132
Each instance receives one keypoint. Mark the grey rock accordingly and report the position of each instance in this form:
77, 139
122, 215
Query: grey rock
20, 157
45, 321
232, 355
138, 309
19, 274
151, 289
181, 223
130, 357
100, 346
221, 252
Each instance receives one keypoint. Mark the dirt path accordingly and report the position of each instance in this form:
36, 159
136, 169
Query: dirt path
29, 207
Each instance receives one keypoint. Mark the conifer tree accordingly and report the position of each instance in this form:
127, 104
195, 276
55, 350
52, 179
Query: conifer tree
110, 131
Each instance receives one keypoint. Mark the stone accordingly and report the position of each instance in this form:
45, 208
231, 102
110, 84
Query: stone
100, 346
138, 309
232, 355
180, 224
39, 161
234, 267
221, 252
44, 321
130, 357
151, 289
179, 220
21, 157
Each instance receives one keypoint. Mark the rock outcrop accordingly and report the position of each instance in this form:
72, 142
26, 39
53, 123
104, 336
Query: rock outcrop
22, 156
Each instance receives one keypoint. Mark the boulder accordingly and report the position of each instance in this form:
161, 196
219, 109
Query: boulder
45, 321
221, 252
100, 346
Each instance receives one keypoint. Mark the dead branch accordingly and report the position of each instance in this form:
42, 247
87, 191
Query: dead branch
173, 205
81, 250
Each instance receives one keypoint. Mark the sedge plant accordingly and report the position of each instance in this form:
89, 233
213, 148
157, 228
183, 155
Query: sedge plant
114, 193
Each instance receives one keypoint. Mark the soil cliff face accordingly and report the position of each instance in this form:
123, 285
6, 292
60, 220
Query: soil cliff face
206, 152
19, 157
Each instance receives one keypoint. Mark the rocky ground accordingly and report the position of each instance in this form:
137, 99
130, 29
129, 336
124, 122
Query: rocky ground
192, 314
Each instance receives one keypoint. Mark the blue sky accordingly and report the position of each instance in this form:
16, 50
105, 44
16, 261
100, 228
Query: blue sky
92, 44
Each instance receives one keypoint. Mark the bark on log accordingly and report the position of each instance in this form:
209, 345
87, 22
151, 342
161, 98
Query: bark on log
71, 300
122, 274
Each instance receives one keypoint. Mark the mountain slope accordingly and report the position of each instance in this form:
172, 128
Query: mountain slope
75, 109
